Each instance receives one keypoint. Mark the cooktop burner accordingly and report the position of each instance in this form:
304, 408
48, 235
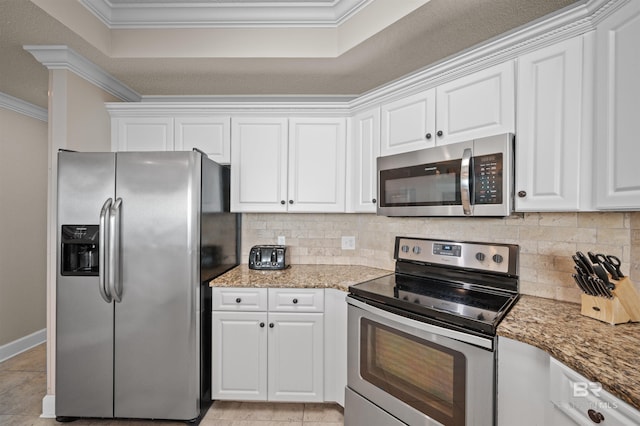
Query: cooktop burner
460, 288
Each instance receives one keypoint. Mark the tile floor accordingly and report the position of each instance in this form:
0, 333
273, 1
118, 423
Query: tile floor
23, 385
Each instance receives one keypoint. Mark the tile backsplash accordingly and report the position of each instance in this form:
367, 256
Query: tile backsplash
547, 241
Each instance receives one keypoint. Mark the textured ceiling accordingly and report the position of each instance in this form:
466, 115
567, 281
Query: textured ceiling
431, 33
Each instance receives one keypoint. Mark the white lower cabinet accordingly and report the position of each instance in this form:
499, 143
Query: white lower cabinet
536, 389
268, 351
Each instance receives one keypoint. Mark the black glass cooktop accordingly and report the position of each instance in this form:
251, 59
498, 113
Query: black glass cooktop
431, 299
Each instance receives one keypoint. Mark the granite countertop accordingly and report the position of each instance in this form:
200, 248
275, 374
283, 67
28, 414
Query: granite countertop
338, 277
599, 351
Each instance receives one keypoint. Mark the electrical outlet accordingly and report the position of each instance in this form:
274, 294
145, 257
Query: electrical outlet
281, 240
348, 243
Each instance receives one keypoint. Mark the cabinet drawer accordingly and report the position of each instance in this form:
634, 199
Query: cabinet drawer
296, 300
581, 399
239, 299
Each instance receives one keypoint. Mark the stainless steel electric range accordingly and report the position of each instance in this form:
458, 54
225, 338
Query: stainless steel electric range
421, 346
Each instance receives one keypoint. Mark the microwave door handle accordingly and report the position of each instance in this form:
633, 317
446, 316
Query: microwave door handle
102, 248
465, 194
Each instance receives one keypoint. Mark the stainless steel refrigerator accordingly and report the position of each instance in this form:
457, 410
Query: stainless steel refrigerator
140, 235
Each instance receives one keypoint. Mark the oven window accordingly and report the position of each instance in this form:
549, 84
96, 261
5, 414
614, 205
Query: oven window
427, 376
424, 185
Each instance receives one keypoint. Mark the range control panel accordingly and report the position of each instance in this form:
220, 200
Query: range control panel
490, 257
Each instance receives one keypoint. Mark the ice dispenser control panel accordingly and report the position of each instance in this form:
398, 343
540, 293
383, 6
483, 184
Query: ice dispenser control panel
80, 255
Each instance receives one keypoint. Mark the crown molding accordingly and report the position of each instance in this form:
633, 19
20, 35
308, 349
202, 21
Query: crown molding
62, 57
222, 13
23, 107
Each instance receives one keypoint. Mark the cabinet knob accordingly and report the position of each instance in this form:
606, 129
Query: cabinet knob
282, 202
595, 416
238, 300
374, 201
439, 133
522, 194
428, 136
261, 325
290, 201
295, 301
271, 325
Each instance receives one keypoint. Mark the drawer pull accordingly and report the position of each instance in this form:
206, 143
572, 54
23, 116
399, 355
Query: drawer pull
271, 325
238, 300
595, 416
261, 325
295, 301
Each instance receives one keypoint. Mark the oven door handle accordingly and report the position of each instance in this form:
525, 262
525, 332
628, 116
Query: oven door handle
465, 190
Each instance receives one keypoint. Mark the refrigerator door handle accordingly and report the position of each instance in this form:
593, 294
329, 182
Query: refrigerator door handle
115, 275
103, 256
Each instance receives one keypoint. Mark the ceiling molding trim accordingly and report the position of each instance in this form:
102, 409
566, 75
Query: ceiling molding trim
23, 107
222, 14
566, 23
63, 57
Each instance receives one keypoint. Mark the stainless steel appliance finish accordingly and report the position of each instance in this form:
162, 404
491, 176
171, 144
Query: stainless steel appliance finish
421, 342
131, 341
268, 257
473, 178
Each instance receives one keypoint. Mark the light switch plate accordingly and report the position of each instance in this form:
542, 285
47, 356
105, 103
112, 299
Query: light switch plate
348, 243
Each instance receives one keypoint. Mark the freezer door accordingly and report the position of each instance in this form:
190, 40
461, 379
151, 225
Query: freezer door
156, 321
84, 321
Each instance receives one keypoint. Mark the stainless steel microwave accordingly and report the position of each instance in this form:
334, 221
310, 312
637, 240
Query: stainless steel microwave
472, 178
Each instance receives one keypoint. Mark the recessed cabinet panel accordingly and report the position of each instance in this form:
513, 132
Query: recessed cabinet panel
365, 148
144, 134
208, 134
617, 106
408, 123
239, 361
477, 105
259, 164
550, 137
317, 165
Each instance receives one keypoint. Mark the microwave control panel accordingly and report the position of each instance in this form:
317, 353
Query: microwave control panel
487, 172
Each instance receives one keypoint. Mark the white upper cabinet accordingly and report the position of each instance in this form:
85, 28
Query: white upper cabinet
142, 134
549, 139
408, 124
477, 105
210, 134
364, 149
317, 164
259, 164
617, 105
294, 165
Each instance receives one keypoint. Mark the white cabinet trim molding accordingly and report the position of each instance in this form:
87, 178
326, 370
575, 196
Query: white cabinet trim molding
23, 107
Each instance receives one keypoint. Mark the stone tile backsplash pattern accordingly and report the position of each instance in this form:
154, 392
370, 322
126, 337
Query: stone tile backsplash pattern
547, 241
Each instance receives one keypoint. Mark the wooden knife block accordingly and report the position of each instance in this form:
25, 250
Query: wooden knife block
624, 307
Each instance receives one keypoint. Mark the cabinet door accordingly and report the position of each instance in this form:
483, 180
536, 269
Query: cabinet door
408, 124
239, 356
365, 148
211, 135
477, 105
617, 106
259, 164
296, 357
317, 164
142, 134
549, 119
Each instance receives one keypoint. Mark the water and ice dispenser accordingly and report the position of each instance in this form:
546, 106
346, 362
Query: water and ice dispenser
80, 254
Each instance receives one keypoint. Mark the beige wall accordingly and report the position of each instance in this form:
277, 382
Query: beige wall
547, 240
23, 222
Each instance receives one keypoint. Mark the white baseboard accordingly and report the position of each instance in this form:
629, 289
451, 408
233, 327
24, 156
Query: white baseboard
22, 344
48, 407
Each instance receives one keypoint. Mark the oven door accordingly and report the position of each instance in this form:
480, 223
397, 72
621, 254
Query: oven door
417, 372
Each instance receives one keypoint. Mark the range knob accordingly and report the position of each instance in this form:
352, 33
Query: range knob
405, 248
480, 256
417, 249
497, 258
